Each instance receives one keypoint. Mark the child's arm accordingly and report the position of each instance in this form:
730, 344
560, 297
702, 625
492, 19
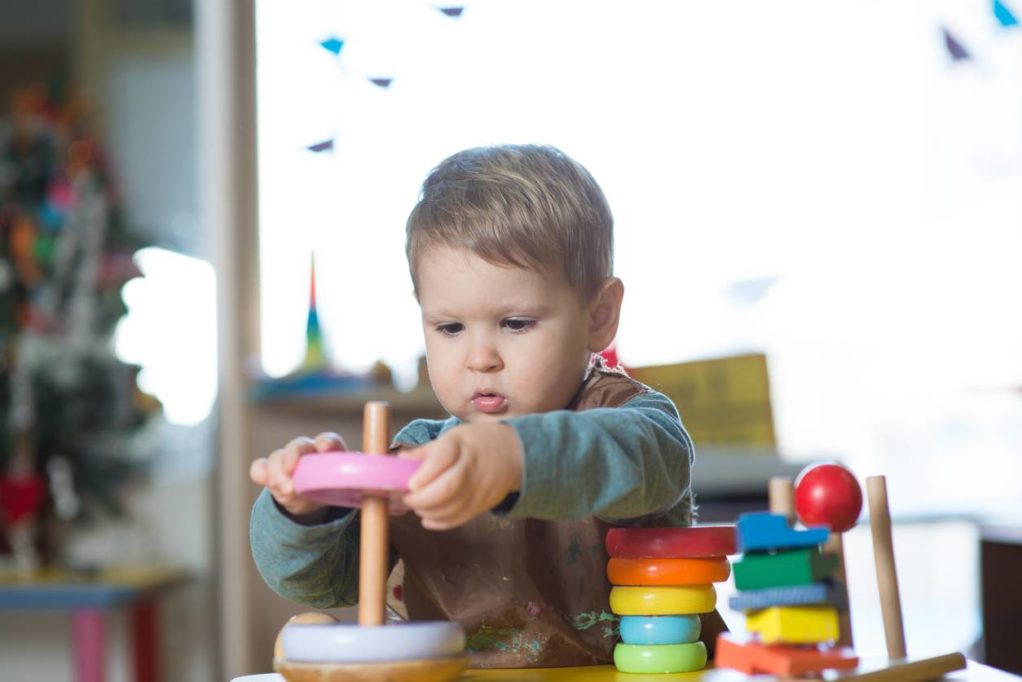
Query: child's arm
620, 463
311, 558
300, 547
316, 564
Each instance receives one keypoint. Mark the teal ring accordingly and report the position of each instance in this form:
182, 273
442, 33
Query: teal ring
660, 629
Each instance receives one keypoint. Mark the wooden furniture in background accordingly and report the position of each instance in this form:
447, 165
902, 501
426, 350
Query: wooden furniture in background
88, 600
1001, 598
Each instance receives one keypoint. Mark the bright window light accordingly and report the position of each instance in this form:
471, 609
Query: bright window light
170, 331
817, 181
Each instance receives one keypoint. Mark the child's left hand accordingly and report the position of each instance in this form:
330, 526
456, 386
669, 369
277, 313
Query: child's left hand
465, 472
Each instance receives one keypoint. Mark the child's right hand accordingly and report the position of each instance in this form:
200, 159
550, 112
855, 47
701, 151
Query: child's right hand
274, 472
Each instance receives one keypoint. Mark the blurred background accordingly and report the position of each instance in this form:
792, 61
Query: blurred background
818, 213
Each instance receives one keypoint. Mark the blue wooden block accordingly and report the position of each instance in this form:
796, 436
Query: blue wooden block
762, 531
824, 592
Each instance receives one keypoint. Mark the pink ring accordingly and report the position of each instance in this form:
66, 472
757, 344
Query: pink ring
341, 479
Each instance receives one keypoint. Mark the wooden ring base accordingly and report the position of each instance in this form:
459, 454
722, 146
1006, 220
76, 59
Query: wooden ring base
427, 670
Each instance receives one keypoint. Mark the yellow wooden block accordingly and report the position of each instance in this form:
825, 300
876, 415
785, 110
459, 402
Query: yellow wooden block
794, 624
662, 601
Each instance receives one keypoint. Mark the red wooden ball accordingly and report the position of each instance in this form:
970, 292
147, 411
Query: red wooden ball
828, 495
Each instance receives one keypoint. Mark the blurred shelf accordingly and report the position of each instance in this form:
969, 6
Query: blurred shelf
730, 481
420, 401
720, 472
64, 590
1002, 532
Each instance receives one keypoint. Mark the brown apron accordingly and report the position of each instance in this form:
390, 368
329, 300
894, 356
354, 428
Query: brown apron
529, 593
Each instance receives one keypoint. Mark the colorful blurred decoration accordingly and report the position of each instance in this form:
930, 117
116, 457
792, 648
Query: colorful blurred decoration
70, 412
1005, 17
315, 350
954, 47
315, 375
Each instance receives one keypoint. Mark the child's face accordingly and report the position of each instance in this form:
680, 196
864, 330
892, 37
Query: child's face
500, 341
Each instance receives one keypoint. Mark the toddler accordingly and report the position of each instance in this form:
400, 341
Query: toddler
510, 250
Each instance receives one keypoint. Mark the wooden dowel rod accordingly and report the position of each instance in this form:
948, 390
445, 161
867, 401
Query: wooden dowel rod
782, 497
887, 576
372, 571
835, 545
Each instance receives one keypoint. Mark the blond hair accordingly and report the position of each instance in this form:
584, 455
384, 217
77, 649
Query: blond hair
520, 205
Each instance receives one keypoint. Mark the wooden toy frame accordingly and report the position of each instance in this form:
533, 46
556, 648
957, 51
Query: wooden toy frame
896, 666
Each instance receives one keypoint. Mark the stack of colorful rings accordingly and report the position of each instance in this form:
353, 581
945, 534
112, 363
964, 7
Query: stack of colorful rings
662, 580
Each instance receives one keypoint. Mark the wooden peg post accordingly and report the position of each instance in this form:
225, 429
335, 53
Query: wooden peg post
782, 497
887, 577
836, 546
372, 583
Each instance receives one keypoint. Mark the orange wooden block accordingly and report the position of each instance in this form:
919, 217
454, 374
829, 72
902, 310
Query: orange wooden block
752, 657
733, 654
667, 571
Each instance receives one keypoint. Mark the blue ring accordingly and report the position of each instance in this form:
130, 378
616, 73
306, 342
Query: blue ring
660, 629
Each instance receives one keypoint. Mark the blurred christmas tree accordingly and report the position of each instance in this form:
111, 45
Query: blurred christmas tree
70, 411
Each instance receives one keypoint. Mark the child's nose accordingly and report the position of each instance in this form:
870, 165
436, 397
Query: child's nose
484, 357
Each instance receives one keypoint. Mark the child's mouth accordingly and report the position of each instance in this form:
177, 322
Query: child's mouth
487, 402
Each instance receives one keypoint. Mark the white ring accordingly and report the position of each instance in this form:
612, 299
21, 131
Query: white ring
347, 643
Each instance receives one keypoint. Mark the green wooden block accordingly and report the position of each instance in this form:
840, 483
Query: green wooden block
796, 567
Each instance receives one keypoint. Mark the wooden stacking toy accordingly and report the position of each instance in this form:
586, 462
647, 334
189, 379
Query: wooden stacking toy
790, 598
662, 580
795, 595
369, 651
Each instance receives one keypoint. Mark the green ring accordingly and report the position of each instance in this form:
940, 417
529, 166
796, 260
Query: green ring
660, 658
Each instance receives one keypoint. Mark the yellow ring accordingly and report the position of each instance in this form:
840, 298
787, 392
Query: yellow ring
662, 601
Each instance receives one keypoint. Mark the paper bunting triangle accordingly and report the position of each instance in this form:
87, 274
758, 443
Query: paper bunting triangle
333, 44
1004, 15
750, 291
954, 48
382, 82
453, 12
324, 146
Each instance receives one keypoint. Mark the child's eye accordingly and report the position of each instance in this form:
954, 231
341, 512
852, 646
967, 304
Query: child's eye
450, 329
515, 324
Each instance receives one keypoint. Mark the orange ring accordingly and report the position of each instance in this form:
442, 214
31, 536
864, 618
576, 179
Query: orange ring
667, 571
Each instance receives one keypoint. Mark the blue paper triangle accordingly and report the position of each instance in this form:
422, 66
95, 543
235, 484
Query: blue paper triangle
382, 82
954, 48
1004, 15
453, 12
333, 44
324, 146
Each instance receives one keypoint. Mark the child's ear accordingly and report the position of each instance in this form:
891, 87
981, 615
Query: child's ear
605, 313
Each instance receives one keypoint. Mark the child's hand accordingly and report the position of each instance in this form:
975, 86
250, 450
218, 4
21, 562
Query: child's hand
275, 471
465, 472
